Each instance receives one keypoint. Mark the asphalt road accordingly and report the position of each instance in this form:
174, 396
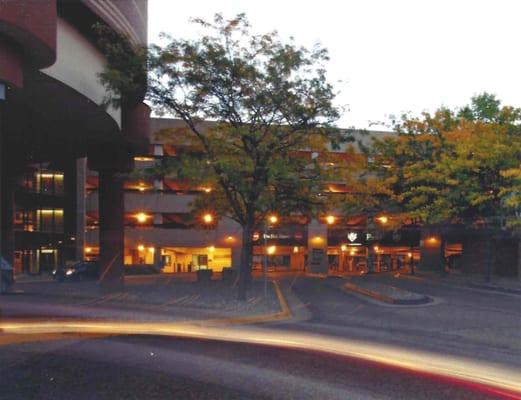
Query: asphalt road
471, 326
159, 368
473, 323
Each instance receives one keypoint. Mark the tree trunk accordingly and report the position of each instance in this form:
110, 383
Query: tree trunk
246, 261
443, 264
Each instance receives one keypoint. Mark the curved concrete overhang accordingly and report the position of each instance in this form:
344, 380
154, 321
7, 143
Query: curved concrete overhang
32, 25
66, 113
126, 16
78, 64
136, 127
11, 63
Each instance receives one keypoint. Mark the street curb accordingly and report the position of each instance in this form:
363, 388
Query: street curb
284, 314
496, 289
369, 293
385, 299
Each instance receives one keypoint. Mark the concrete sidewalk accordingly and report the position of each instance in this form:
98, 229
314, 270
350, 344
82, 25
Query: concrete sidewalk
146, 299
497, 284
28, 278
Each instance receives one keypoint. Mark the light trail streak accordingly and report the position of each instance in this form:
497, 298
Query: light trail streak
494, 376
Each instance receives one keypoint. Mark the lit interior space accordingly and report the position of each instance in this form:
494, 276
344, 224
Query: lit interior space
190, 259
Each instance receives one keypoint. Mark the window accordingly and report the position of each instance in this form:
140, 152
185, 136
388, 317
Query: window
49, 220
47, 183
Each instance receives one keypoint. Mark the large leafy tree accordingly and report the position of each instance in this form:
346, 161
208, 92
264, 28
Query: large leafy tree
266, 100
453, 166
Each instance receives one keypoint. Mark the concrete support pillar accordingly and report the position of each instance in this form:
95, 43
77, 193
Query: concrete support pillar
317, 248
157, 257
81, 206
430, 251
3, 89
7, 181
111, 229
7, 216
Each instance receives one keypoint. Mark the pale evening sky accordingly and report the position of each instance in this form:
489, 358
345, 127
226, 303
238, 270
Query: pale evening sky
392, 55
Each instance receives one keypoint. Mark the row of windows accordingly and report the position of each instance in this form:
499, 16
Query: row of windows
49, 182
43, 220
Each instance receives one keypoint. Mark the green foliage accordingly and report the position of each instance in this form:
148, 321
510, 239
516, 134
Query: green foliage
125, 75
266, 100
454, 166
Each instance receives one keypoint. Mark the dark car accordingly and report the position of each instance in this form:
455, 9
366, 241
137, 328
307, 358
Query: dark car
78, 271
7, 275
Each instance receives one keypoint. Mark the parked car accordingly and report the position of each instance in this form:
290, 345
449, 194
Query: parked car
7, 275
77, 271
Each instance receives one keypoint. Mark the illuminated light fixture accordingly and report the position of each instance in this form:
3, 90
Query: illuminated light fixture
208, 218
207, 190
317, 239
273, 219
141, 187
230, 238
88, 249
211, 249
143, 158
432, 239
383, 219
330, 219
151, 250
343, 247
409, 255
376, 248
49, 175
46, 211
141, 247
295, 249
272, 249
352, 252
141, 217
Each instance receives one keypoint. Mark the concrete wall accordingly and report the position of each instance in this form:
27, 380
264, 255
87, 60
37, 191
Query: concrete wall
430, 251
317, 247
77, 65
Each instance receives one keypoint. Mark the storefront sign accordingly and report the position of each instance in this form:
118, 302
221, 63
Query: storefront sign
284, 236
350, 237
